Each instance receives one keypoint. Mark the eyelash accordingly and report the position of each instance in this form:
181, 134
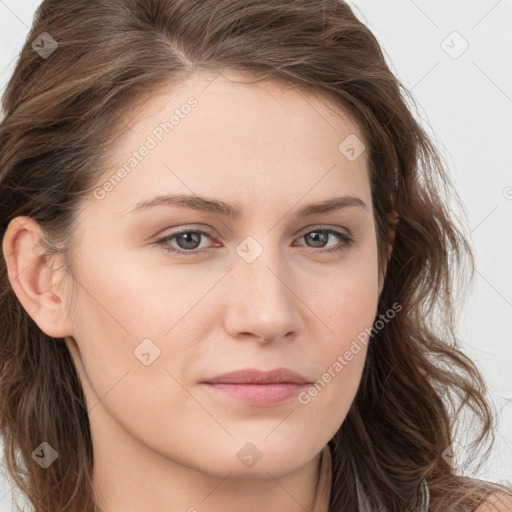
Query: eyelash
163, 242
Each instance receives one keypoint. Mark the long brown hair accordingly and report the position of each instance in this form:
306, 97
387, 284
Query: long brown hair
61, 112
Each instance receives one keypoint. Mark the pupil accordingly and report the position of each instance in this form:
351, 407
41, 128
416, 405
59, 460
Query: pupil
318, 235
193, 236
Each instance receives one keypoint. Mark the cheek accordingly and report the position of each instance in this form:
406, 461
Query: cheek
348, 298
350, 316
113, 314
345, 309
110, 325
134, 297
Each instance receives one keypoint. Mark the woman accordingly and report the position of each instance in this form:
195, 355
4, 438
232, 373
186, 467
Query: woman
225, 246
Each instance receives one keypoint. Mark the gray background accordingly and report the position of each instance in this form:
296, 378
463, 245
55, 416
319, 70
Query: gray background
465, 101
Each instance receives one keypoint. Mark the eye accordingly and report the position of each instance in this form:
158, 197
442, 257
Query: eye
189, 241
320, 236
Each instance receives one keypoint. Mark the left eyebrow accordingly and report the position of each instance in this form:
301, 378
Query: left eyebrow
336, 203
235, 211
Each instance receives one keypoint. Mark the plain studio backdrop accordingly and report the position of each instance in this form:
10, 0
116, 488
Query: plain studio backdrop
456, 58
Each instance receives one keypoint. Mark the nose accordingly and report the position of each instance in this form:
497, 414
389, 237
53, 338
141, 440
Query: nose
262, 303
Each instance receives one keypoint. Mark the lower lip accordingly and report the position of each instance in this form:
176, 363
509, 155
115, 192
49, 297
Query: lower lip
259, 394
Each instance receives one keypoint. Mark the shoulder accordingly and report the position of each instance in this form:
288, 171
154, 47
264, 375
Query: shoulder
499, 501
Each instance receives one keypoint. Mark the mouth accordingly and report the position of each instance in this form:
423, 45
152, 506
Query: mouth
259, 388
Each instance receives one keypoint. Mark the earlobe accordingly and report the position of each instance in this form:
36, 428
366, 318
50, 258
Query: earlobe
32, 277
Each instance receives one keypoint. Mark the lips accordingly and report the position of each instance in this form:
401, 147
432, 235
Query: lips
258, 388
254, 376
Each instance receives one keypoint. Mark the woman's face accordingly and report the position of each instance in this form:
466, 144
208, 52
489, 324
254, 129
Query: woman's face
151, 324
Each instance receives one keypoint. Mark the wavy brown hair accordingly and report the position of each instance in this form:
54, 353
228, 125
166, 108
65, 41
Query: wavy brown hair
61, 115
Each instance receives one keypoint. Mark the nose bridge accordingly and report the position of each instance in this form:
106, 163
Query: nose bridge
263, 302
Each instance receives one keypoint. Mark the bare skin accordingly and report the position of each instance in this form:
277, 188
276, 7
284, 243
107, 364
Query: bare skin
162, 439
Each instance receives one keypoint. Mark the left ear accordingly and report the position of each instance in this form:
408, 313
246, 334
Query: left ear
392, 220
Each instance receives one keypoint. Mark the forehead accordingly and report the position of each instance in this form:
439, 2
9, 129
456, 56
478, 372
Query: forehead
231, 135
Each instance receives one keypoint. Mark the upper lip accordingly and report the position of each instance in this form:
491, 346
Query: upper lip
254, 376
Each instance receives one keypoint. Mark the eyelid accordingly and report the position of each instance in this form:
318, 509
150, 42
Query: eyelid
322, 227
346, 238
301, 232
187, 229
202, 228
